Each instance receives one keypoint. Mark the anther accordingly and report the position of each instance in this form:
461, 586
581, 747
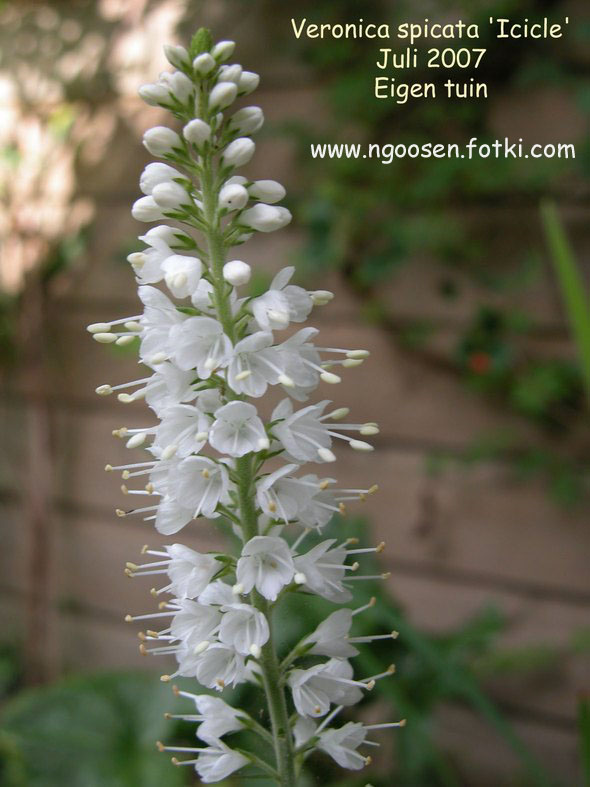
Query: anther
104, 338
330, 378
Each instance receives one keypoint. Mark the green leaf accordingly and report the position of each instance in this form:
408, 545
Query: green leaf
92, 731
572, 286
202, 41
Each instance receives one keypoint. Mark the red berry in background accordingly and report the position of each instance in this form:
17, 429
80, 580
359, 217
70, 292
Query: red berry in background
480, 362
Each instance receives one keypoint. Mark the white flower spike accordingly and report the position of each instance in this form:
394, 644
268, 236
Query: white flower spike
210, 452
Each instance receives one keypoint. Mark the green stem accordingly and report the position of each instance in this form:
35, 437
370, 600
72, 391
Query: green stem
269, 663
271, 673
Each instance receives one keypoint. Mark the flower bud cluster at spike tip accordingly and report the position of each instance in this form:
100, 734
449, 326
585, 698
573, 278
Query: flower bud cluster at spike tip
211, 350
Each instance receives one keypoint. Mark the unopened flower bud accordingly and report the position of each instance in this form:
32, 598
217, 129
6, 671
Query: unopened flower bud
237, 272
267, 191
156, 173
238, 152
177, 56
265, 218
247, 120
203, 64
154, 94
197, 132
230, 73
161, 140
223, 50
170, 195
248, 82
222, 95
146, 209
233, 197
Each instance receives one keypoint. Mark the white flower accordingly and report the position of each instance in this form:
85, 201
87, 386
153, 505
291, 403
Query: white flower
218, 762
194, 622
176, 55
267, 191
156, 173
159, 317
254, 364
161, 141
203, 63
248, 82
182, 431
199, 342
323, 569
197, 132
321, 507
238, 153
243, 628
247, 120
238, 430
229, 73
209, 354
220, 666
167, 386
169, 86
182, 274
172, 516
301, 433
170, 195
233, 197
161, 240
281, 496
190, 572
301, 362
282, 303
201, 484
303, 730
330, 637
314, 689
146, 209
222, 95
218, 593
219, 718
342, 744
266, 564
236, 272
265, 218
223, 50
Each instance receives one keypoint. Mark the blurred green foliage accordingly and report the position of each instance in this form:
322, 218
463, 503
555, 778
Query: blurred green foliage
368, 219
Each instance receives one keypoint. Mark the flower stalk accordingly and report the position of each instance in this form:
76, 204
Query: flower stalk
210, 353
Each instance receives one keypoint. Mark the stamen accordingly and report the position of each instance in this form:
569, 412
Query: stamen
401, 723
370, 604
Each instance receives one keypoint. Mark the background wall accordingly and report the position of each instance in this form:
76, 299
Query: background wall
457, 540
